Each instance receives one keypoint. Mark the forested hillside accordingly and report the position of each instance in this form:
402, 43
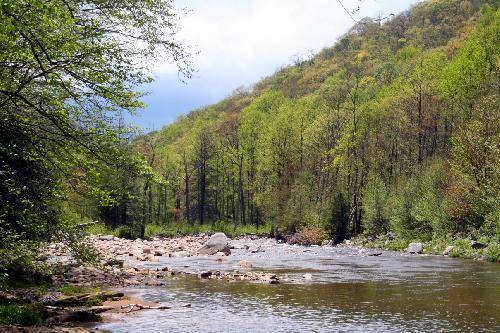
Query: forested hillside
394, 128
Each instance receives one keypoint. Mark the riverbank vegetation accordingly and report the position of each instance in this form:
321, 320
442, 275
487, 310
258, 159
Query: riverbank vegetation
394, 128
70, 71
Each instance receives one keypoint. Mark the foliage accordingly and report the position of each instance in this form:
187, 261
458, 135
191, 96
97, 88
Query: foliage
375, 219
462, 249
73, 289
308, 236
69, 71
24, 315
379, 132
493, 252
394, 128
181, 229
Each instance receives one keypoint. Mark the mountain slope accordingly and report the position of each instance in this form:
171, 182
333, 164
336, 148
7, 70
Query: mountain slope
395, 127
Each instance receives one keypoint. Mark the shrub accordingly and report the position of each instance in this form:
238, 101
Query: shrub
375, 220
493, 252
99, 229
127, 232
25, 315
462, 249
416, 207
308, 236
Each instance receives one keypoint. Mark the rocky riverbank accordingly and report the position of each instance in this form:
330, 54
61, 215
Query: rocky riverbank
124, 264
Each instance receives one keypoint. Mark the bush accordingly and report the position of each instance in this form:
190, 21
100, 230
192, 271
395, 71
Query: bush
127, 232
416, 205
493, 252
182, 229
25, 315
375, 220
99, 229
462, 249
308, 236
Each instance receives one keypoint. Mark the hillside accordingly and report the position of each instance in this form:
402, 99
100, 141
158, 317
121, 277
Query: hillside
395, 127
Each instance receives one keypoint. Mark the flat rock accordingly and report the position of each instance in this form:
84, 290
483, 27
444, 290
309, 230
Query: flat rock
180, 254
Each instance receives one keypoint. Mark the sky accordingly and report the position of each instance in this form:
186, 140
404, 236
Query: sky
239, 42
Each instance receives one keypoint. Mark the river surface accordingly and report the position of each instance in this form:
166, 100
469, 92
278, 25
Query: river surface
347, 291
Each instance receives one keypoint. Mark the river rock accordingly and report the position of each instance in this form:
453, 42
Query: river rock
146, 250
114, 262
415, 248
448, 250
181, 254
244, 264
205, 275
327, 242
158, 253
217, 243
255, 249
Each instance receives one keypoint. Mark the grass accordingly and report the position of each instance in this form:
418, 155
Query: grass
100, 229
461, 246
72, 289
182, 229
493, 252
382, 242
25, 315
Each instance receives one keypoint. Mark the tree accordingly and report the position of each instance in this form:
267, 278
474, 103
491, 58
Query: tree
69, 68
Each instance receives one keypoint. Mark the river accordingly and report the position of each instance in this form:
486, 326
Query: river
324, 289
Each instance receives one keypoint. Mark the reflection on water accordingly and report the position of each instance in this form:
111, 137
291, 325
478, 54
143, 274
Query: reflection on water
349, 293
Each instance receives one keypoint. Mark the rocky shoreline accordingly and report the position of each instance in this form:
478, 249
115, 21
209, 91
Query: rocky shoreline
122, 264
125, 264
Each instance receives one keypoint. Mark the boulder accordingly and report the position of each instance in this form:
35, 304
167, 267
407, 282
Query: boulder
146, 249
217, 243
415, 248
205, 275
477, 245
448, 250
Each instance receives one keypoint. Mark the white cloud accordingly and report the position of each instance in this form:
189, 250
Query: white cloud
256, 35
241, 41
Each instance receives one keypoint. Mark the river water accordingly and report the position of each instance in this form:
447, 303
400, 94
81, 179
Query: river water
347, 291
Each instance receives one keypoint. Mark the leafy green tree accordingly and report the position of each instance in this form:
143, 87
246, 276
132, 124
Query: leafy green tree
69, 68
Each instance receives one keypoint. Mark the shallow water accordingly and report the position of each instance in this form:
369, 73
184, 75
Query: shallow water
349, 292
